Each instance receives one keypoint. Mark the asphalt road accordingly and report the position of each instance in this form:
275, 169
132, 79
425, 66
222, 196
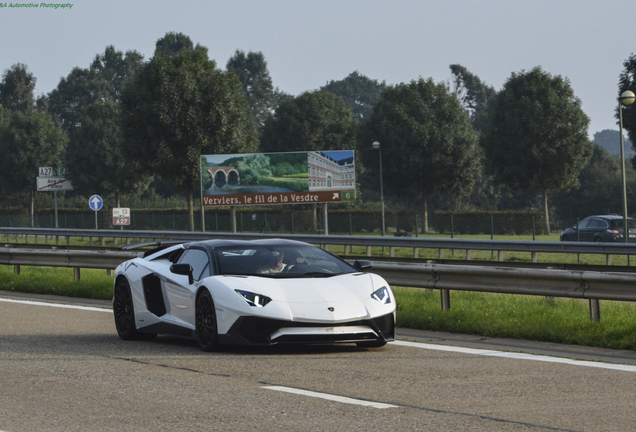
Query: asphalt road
64, 369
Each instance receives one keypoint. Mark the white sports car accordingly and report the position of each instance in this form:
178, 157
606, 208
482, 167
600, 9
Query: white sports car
259, 292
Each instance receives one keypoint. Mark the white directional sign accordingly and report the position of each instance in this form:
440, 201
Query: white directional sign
95, 202
53, 184
121, 216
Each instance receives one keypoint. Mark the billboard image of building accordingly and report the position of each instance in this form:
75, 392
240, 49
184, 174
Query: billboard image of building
277, 178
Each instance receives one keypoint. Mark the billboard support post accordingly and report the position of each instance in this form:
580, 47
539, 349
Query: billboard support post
233, 218
324, 218
55, 205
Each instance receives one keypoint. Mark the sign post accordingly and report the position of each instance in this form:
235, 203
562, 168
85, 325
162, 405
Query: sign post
95, 203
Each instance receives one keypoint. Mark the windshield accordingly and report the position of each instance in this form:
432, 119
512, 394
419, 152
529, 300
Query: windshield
279, 261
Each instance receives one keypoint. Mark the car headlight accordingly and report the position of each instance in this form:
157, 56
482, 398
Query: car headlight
382, 295
253, 299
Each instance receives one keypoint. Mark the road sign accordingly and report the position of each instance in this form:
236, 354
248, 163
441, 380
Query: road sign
121, 216
62, 172
95, 202
45, 171
54, 184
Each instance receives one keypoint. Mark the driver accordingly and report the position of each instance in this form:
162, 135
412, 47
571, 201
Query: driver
274, 263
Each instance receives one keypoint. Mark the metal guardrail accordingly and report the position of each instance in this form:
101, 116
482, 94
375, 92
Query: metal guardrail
368, 241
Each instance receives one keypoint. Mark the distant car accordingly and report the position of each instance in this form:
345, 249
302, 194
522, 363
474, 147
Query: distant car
605, 228
260, 292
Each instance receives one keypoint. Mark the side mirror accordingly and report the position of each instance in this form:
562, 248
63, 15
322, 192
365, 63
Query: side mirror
362, 264
183, 269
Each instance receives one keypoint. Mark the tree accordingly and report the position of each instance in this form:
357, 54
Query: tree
102, 81
87, 105
359, 92
17, 89
611, 141
251, 69
538, 136
428, 143
315, 120
180, 107
95, 157
627, 81
473, 93
26, 143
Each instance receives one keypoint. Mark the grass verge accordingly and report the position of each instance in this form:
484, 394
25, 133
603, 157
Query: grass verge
521, 317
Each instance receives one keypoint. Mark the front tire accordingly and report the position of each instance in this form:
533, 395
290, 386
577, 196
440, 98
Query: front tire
124, 313
206, 327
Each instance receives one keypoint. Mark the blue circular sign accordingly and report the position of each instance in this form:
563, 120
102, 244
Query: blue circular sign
95, 202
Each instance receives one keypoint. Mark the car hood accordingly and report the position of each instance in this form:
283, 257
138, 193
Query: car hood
312, 298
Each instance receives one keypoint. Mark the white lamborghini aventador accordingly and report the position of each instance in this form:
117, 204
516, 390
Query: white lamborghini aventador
260, 292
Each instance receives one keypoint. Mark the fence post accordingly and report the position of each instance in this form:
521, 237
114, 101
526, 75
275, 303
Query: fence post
445, 294
534, 231
595, 310
350, 225
293, 224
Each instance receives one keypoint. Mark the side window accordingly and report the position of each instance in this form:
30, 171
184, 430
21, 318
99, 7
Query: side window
596, 223
199, 261
583, 223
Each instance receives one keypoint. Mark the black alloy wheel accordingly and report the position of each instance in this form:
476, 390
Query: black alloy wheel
206, 327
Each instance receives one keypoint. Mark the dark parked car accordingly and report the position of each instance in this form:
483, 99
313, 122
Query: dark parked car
608, 228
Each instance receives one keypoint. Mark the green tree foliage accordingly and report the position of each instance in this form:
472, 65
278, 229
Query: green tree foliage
627, 81
359, 92
94, 155
428, 144
173, 43
102, 81
600, 189
312, 121
473, 93
538, 136
251, 68
17, 89
180, 107
87, 105
611, 140
26, 143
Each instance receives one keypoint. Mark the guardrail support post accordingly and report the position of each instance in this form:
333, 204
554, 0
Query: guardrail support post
90, 241
109, 272
595, 310
468, 255
499, 255
445, 299
368, 250
441, 254
416, 252
608, 260
391, 251
534, 257
68, 240
76, 273
346, 250
103, 241
16, 269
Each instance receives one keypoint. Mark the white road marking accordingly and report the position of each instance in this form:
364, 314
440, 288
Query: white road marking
517, 356
58, 305
327, 396
435, 347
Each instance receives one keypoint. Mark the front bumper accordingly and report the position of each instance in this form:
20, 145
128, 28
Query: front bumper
264, 331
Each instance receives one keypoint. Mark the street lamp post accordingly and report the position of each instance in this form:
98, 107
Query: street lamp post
376, 146
626, 98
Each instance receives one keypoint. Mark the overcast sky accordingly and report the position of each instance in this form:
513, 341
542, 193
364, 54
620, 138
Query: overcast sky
308, 43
